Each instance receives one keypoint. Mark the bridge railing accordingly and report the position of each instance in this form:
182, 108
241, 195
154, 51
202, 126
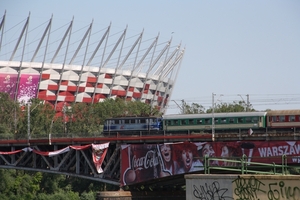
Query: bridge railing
25, 136
244, 166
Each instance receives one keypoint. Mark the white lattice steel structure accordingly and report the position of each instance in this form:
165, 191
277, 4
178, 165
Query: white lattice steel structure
63, 66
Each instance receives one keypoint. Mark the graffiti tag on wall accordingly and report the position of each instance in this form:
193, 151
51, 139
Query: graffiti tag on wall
255, 189
211, 191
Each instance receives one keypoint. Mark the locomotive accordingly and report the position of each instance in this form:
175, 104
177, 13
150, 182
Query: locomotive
231, 122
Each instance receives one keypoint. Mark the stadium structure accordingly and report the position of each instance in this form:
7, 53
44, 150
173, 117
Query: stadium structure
71, 64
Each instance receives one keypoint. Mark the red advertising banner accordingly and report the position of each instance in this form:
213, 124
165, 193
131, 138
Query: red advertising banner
8, 83
99, 153
142, 162
28, 87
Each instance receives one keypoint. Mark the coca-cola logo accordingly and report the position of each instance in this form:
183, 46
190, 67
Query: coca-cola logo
148, 161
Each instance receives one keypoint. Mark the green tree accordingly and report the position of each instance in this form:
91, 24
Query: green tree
193, 108
82, 118
138, 108
9, 115
40, 116
239, 106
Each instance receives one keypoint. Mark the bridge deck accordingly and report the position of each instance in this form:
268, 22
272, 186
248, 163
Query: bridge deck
79, 163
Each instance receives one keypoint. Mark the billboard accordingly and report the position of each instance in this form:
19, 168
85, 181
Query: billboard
143, 162
28, 87
8, 83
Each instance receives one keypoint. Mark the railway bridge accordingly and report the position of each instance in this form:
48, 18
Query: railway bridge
108, 159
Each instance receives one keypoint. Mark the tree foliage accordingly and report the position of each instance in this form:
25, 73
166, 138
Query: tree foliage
239, 106
196, 108
22, 185
38, 118
9, 115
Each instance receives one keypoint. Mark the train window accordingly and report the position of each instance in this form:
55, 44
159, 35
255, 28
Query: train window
207, 121
169, 123
248, 120
143, 121
176, 122
111, 121
292, 118
240, 120
183, 122
191, 121
282, 118
199, 121
216, 120
254, 119
223, 120
274, 119
115, 121
231, 120
127, 121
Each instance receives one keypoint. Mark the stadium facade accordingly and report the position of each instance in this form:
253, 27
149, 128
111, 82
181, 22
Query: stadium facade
62, 66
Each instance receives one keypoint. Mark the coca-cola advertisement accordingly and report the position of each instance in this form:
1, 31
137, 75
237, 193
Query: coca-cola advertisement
142, 162
139, 163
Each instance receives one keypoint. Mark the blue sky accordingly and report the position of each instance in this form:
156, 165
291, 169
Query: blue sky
233, 48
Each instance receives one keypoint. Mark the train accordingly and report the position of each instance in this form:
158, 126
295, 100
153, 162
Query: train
230, 122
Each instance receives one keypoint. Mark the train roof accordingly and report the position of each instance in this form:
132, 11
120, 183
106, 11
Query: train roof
133, 117
283, 112
216, 115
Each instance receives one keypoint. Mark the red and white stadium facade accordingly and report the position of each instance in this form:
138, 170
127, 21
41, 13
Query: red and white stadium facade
86, 68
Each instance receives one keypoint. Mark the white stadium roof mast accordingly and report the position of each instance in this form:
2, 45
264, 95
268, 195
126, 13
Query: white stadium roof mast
59, 66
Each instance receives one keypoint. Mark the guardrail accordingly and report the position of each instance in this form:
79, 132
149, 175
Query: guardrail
242, 165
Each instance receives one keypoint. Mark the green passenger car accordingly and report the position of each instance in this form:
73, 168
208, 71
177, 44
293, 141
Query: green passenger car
224, 122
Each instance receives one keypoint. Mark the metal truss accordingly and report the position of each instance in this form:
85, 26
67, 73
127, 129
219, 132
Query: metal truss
77, 163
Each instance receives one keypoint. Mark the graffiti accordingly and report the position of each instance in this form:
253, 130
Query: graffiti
210, 192
279, 191
247, 188
254, 189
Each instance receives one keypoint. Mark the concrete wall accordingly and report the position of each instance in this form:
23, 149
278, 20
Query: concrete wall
242, 187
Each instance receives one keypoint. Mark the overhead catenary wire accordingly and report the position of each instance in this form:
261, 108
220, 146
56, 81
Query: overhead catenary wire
257, 101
